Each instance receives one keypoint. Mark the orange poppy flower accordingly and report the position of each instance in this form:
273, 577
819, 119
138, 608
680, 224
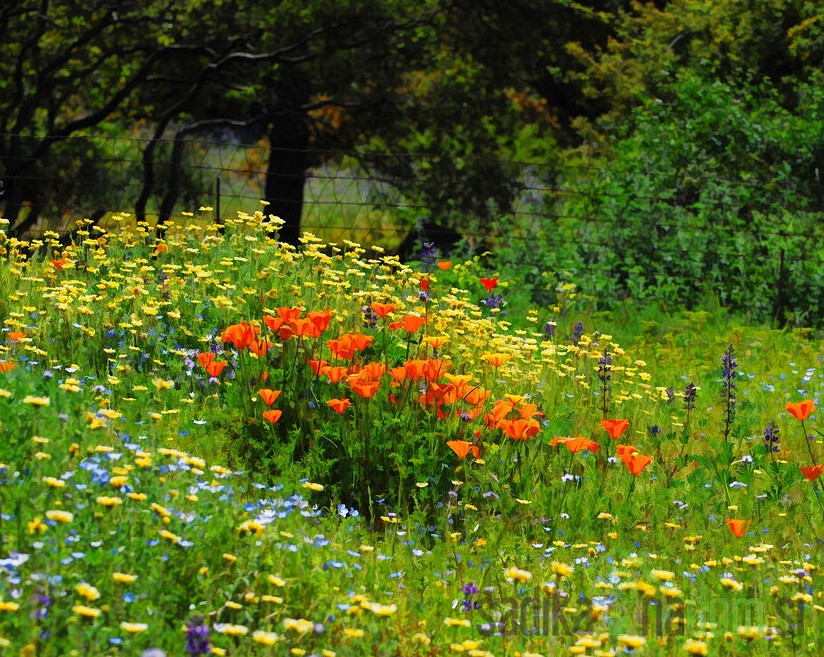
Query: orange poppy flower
520, 429
489, 283
436, 341
16, 336
382, 309
216, 367
334, 374
274, 323
373, 371
737, 527
398, 375
259, 347
6, 366
462, 448
304, 328
801, 410
288, 314
411, 323
496, 360
339, 405
615, 427
501, 410
434, 369
240, 335
340, 349
272, 415
205, 358
636, 462
443, 265
626, 450
458, 379
317, 366
320, 318
577, 444
365, 389
268, 395
477, 396
60, 263
414, 368
812, 472
528, 411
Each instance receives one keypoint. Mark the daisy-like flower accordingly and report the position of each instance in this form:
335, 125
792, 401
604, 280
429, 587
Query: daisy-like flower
87, 591
265, 638
86, 612
105, 500
517, 575
58, 515
36, 401
134, 628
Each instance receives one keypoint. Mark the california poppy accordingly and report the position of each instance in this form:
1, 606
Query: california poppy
520, 429
812, 472
339, 405
373, 371
411, 323
414, 368
317, 366
425, 284
496, 360
489, 283
334, 374
577, 444
268, 395
436, 341
382, 309
239, 334
458, 379
320, 318
365, 389
272, 415
205, 358
304, 327
6, 366
462, 448
398, 374
636, 462
444, 264
527, 411
801, 410
259, 347
60, 263
216, 367
625, 450
615, 427
737, 527
434, 369
16, 336
274, 323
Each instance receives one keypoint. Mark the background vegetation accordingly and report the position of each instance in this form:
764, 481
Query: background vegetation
695, 125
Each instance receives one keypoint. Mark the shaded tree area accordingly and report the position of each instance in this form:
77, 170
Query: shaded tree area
397, 77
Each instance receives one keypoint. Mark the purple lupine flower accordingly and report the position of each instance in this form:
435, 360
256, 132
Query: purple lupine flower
577, 332
729, 373
549, 330
197, 636
428, 255
771, 437
689, 396
370, 318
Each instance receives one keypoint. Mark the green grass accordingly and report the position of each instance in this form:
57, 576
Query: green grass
139, 492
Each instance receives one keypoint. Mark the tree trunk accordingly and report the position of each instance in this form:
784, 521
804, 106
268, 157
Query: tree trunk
286, 172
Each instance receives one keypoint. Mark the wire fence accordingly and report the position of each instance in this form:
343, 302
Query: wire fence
342, 198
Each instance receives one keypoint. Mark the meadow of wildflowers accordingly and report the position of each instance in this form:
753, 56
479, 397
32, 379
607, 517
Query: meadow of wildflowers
215, 443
